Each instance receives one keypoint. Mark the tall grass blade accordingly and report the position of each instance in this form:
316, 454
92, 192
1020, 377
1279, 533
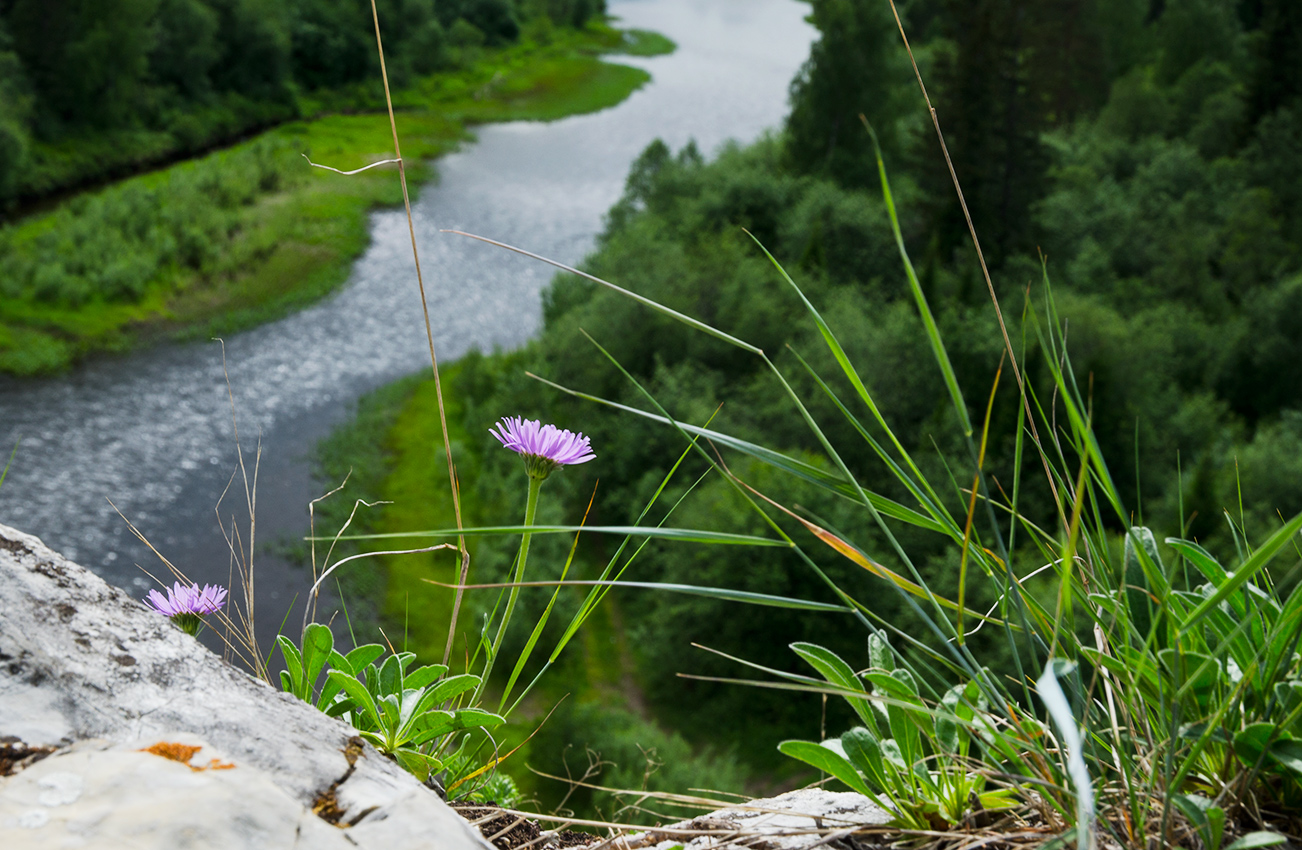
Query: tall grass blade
1246, 571
1060, 710
686, 535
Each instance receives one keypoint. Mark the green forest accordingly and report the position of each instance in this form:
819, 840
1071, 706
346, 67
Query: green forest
91, 90
151, 151
1143, 158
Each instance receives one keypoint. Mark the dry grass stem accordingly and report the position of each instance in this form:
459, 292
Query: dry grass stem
429, 335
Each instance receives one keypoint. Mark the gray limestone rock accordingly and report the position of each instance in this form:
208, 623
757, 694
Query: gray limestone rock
800, 819
81, 660
99, 794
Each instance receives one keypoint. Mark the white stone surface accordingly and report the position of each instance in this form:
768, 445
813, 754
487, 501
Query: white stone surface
104, 795
81, 660
791, 821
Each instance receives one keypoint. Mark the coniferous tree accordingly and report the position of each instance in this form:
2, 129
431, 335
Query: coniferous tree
1277, 76
858, 66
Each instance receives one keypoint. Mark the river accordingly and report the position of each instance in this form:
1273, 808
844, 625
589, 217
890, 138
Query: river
153, 432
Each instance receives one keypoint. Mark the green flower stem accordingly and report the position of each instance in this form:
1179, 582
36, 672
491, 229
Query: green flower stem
530, 508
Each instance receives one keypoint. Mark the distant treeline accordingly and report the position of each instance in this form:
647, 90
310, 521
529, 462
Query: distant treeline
93, 88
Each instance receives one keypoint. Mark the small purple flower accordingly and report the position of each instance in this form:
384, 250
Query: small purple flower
186, 606
543, 447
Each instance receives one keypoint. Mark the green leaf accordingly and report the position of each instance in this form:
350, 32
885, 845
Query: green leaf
409, 706
1201, 559
424, 676
865, 753
1144, 578
466, 718
417, 763
837, 672
947, 734
476, 718
430, 725
318, 643
362, 656
293, 664
360, 696
454, 686
389, 678
390, 717
330, 688
879, 652
827, 761
907, 725
1283, 752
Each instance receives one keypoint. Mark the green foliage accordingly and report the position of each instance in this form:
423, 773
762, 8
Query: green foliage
1131, 152
616, 748
858, 66
1202, 680
243, 235
409, 712
93, 90
114, 246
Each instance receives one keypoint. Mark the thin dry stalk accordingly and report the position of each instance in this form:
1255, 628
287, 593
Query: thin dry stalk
311, 523
309, 609
976, 242
429, 335
337, 564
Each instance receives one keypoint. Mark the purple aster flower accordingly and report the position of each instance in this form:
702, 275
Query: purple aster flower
186, 606
543, 447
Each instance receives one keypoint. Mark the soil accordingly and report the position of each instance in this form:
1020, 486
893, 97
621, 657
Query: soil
15, 755
508, 831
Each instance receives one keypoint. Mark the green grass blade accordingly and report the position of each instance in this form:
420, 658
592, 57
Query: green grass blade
641, 299
9, 462
724, 593
1250, 568
924, 310
843, 360
929, 500
798, 468
684, 535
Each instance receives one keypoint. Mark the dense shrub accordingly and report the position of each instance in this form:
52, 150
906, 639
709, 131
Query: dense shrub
113, 245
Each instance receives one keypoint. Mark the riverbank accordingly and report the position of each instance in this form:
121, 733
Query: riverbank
246, 235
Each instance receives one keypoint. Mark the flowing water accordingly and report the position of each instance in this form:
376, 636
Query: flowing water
153, 431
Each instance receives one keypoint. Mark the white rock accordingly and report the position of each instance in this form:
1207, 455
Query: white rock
105, 795
797, 819
81, 660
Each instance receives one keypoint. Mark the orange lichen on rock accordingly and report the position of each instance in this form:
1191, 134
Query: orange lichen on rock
183, 753
175, 752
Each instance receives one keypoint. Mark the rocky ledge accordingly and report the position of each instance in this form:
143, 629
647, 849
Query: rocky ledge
119, 730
